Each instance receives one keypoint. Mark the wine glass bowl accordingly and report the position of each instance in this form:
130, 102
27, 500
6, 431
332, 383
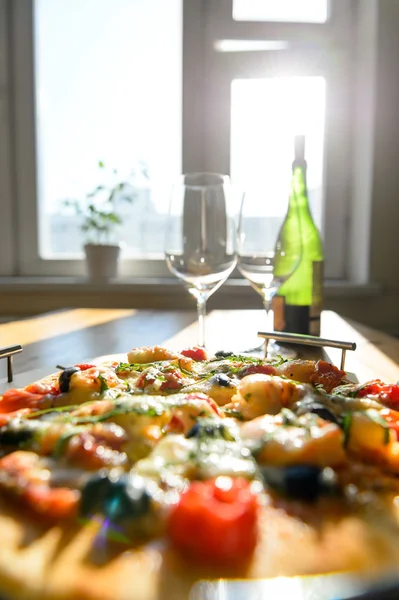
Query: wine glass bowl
200, 244
268, 249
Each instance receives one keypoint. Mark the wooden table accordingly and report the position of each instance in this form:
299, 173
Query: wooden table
72, 336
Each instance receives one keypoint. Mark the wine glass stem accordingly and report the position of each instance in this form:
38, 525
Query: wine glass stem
267, 303
201, 308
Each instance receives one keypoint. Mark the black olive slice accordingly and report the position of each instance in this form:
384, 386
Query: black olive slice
65, 378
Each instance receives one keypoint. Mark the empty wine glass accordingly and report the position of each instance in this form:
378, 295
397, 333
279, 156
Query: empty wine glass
200, 244
269, 250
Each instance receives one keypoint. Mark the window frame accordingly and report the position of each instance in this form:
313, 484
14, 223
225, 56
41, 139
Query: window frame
7, 239
206, 84
328, 39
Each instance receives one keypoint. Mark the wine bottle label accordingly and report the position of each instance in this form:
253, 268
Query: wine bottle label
317, 297
294, 318
278, 307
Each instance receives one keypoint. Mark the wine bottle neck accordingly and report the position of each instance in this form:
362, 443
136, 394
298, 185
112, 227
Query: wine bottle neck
299, 193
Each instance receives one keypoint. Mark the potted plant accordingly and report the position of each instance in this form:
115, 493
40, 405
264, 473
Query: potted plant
100, 216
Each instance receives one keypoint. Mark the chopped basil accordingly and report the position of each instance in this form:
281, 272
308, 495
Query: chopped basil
55, 409
64, 439
278, 361
375, 416
234, 413
104, 385
122, 367
347, 422
238, 358
183, 370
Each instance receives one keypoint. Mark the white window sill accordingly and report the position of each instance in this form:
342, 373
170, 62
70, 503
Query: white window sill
161, 286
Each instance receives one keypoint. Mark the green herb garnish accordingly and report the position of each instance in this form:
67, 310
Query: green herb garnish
183, 370
375, 416
64, 439
104, 385
347, 423
234, 413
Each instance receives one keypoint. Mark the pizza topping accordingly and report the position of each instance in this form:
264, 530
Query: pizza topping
266, 369
65, 378
199, 456
95, 449
277, 440
150, 354
391, 417
19, 431
326, 375
317, 408
222, 380
366, 430
298, 370
212, 428
223, 354
15, 399
300, 482
28, 475
54, 503
172, 380
196, 353
84, 366
261, 394
215, 522
388, 394
116, 497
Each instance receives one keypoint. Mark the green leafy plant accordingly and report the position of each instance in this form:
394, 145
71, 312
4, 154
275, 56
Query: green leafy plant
99, 212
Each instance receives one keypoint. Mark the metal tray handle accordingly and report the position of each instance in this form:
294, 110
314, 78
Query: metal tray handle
8, 353
307, 340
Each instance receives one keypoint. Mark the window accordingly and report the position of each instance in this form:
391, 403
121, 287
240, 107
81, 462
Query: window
152, 88
110, 97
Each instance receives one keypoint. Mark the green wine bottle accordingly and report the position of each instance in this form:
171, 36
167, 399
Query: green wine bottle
298, 303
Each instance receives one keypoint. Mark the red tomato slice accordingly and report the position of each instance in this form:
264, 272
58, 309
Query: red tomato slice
387, 393
196, 353
44, 388
215, 522
55, 503
15, 399
84, 366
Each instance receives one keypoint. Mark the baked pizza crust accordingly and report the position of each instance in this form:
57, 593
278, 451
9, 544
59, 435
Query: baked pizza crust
75, 562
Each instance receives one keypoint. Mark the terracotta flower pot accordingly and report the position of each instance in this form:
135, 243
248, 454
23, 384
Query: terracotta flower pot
102, 261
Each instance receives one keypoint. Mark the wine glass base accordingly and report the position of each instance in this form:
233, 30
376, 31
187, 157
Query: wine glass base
274, 350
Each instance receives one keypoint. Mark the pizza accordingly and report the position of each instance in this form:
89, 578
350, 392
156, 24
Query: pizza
137, 479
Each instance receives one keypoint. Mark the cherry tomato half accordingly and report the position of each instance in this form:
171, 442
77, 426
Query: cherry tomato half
387, 393
196, 353
215, 522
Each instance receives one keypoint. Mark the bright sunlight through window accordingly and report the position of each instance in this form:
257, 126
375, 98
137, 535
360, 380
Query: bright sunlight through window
266, 114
